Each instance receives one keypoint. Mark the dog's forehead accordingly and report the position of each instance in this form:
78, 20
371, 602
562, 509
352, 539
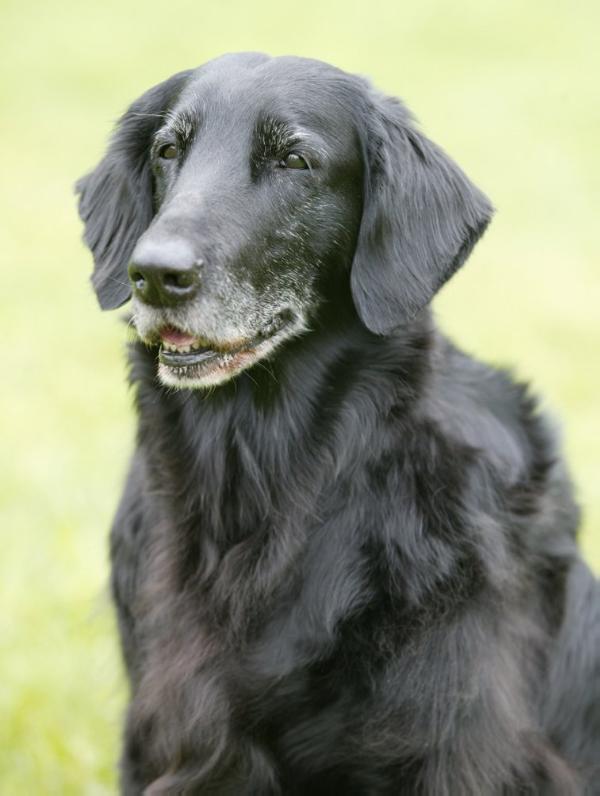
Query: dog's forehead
250, 86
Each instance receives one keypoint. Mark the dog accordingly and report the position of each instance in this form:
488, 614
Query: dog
344, 561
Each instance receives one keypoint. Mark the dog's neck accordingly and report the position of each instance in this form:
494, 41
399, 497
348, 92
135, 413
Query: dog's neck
286, 420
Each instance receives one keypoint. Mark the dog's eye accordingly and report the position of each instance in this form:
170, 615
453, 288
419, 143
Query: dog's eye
168, 152
294, 161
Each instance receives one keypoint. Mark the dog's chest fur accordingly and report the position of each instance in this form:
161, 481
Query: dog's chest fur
264, 592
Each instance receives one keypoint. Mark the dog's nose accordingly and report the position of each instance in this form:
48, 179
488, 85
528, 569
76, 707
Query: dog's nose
164, 272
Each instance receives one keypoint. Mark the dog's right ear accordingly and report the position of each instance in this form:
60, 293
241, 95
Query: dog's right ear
115, 200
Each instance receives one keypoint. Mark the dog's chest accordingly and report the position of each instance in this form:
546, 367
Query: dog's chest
236, 659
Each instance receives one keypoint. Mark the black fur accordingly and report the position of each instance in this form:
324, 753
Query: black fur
116, 199
352, 568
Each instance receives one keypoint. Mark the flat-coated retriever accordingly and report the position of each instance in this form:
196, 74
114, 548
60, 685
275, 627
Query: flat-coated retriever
345, 561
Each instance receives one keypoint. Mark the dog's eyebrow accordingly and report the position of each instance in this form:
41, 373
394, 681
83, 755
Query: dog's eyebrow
273, 131
183, 123
273, 135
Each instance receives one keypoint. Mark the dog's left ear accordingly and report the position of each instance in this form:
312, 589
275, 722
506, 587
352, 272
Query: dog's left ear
421, 218
115, 200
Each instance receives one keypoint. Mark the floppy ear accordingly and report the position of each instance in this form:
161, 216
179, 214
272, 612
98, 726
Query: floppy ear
421, 218
115, 200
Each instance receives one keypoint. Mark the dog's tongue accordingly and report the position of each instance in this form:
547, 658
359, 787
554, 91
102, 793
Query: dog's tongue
168, 334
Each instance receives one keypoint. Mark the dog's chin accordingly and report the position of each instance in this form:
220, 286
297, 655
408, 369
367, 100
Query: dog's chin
186, 361
208, 367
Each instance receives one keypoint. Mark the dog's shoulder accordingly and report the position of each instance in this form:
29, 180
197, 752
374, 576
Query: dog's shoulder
495, 415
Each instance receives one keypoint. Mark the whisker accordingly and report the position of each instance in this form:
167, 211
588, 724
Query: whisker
142, 115
118, 281
265, 366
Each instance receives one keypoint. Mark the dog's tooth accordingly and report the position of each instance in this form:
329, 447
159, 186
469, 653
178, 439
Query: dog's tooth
196, 344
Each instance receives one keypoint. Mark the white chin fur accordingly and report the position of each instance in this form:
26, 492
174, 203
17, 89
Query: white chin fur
229, 366
218, 376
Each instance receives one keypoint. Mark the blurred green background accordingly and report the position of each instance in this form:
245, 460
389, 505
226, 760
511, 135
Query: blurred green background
510, 89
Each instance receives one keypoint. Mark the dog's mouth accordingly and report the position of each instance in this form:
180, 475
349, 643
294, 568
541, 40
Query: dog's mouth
186, 360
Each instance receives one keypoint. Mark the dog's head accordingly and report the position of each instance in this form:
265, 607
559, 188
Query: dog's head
228, 192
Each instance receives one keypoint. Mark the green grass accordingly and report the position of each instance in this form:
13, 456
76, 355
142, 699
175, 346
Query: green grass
508, 88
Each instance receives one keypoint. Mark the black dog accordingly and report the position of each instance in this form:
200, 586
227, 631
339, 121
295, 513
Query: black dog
347, 567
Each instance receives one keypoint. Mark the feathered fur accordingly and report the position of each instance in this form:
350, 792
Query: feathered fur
351, 569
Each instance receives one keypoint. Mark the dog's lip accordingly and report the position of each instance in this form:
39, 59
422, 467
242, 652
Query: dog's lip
179, 348
196, 354
173, 337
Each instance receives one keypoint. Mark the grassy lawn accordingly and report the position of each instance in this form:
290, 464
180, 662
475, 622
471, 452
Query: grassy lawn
508, 88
